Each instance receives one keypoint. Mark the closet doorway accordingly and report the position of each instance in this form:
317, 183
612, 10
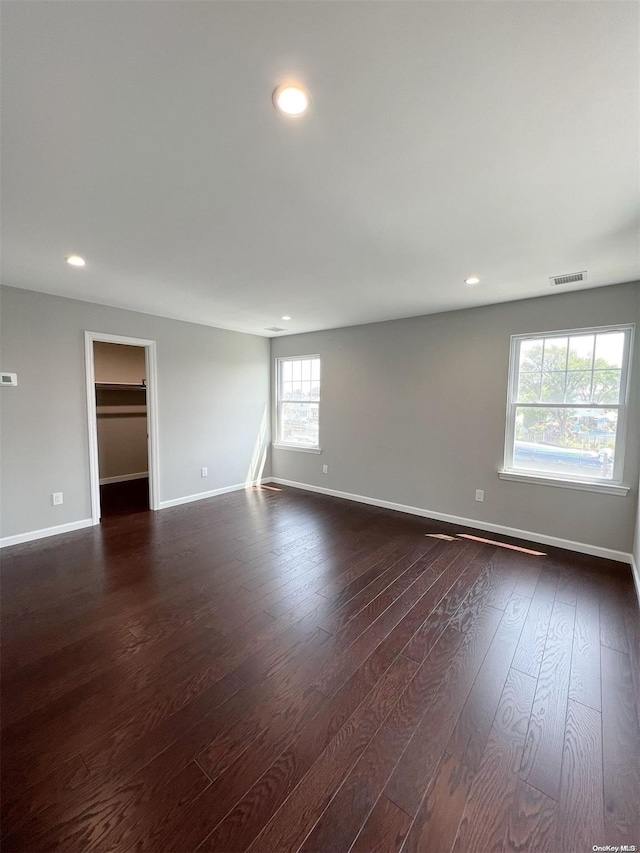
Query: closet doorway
121, 405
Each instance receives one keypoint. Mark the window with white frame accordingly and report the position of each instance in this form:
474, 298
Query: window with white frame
567, 405
298, 401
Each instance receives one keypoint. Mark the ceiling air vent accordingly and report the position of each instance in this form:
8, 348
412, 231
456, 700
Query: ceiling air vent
274, 329
571, 278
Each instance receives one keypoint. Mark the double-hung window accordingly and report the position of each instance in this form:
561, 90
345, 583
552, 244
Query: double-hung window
567, 406
298, 402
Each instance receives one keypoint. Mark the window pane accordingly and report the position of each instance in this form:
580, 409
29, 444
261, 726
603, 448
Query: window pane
580, 352
299, 423
578, 386
315, 369
606, 386
287, 390
306, 369
286, 370
609, 350
529, 387
555, 354
578, 442
552, 387
296, 370
531, 356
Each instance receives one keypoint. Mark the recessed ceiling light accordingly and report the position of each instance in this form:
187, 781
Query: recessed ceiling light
75, 261
285, 317
473, 279
292, 100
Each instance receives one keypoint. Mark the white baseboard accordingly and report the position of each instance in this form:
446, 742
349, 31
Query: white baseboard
44, 532
200, 496
124, 478
88, 522
527, 535
636, 577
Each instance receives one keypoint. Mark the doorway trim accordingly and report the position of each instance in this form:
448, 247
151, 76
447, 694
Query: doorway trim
152, 416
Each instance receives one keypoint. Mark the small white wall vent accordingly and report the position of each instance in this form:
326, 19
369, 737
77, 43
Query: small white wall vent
274, 329
570, 278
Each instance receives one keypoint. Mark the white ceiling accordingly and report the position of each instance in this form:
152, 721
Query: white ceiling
444, 139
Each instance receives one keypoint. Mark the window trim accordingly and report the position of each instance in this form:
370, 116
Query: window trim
282, 445
510, 472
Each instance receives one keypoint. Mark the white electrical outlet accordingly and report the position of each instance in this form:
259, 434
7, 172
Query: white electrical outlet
56, 498
325, 469
204, 472
479, 494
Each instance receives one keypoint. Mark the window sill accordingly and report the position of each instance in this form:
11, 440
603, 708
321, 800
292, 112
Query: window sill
580, 485
300, 448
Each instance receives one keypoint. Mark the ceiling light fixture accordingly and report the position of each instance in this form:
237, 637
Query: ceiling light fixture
291, 99
473, 279
75, 260
285, 317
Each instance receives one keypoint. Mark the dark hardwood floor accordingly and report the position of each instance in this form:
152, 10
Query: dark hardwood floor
124, 498
274, 670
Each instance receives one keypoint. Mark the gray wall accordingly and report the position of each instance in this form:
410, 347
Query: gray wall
636, 543
413, 411
213, 391
119, 363
122, 435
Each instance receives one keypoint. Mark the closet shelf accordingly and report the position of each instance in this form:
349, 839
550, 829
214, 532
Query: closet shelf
120, 386
121, 411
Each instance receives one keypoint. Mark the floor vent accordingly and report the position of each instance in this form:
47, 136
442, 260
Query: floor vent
570, 278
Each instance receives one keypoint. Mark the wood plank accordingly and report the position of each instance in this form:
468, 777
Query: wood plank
135, 745
398, 577
284, 651
234, 740
288, 828
68, 725
157, 808
548, 580
431, 580
350, 807
436, 823
632, 622
191, 824
568, 586
16, 811
621, 750
528, 575
256, 807
360, 573
528, 656
423, 752
376, 647
581, 823
485, 819
613, 632
110, 801
533, 822
585, 685
385, 830
449, 592
87, 817
469, 738
542, 760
